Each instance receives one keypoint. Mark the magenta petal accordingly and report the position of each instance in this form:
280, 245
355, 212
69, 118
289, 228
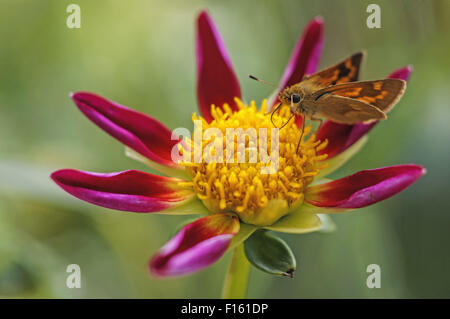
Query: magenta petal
305, 57
342, 136
138, 131
131, 190
402, 73
196, 246
365, 187
216, 83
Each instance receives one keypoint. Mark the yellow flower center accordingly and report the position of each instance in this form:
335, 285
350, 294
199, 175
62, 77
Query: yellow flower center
242, 171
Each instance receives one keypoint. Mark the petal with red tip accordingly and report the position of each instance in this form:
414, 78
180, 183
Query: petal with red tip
402, 73
364, 188
131, 190
196, 246
142, 133
306, 54
341, 136
216, 83
305, 57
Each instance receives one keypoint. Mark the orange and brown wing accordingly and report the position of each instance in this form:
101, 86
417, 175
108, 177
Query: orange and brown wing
343, 72
346, 110
383, 94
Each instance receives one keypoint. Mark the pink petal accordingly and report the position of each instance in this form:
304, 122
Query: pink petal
196, 246
305, 57
216, 84
365, 187
131, 190
138, 131
342, 136
402, 73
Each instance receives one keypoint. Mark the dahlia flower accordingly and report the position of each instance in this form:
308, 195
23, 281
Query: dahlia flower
237, 202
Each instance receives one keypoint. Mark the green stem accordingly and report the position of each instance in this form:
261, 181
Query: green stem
236, 279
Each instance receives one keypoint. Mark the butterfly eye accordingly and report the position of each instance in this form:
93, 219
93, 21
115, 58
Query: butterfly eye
295, 98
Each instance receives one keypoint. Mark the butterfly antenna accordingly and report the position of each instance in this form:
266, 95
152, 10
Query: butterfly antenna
271, 84
262, 81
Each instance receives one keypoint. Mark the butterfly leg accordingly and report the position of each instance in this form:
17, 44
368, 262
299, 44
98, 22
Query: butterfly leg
273, 112
276, 108
290, 118
317, 120
303, 130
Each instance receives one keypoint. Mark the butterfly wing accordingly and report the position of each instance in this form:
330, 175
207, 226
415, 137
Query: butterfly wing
345, 110
345, 71
383, 94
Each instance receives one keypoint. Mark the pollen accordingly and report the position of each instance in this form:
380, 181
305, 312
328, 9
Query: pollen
240, 162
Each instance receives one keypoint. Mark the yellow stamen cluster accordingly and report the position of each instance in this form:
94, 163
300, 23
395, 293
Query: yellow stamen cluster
242, 187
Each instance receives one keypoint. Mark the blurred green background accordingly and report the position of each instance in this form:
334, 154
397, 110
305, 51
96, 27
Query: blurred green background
141, 54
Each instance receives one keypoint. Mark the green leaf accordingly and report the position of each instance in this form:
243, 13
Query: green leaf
245, 231
302, 221
270, 254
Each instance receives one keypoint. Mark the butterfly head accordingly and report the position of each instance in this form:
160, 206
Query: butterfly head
292, 96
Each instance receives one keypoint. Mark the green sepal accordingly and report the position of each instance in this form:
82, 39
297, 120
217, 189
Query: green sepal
270, 254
